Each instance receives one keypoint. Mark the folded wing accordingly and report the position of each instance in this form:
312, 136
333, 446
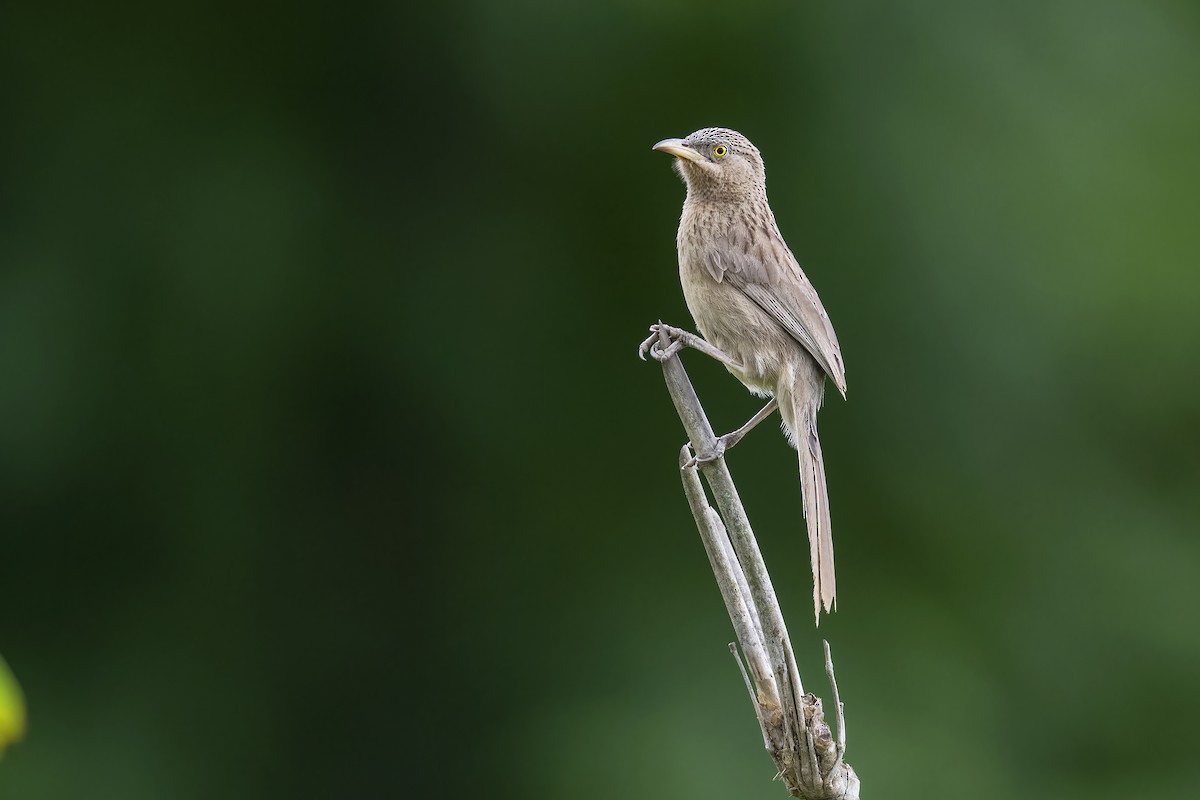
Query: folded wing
764, 269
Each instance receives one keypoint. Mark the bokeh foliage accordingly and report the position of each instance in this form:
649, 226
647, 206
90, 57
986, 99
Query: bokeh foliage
12, 708
327, 470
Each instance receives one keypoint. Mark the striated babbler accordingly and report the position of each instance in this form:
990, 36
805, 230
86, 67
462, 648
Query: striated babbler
751, 301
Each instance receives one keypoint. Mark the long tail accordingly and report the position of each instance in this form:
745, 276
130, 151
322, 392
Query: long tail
803, 425
816, 514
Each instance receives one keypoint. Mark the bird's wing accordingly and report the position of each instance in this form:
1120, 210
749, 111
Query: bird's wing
766, 271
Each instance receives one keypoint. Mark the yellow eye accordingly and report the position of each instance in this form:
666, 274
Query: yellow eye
720, 150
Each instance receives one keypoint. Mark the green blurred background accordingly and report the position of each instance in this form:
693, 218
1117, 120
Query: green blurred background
327, 469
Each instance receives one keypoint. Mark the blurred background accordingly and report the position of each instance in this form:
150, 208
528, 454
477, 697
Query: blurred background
327, 468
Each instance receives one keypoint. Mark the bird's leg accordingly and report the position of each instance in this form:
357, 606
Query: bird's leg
679, 340
730, 439
727, 441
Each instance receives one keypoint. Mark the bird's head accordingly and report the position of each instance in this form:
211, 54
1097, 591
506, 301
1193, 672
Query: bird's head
717, 162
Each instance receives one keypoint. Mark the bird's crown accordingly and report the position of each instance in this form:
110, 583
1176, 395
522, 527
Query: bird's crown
710, 138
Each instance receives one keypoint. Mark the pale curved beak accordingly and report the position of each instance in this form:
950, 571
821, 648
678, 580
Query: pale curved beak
678, 148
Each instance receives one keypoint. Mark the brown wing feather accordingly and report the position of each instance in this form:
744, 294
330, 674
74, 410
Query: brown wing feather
767, 272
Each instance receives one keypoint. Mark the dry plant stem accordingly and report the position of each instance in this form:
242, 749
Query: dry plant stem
810, 761
839, 709
738, 601
716, 472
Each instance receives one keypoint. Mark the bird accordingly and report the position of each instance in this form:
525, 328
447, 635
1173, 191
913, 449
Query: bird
756, 308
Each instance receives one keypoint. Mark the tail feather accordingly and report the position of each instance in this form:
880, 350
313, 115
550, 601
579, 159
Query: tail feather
816, 513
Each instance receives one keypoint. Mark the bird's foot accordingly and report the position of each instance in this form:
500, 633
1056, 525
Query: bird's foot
677, 339
720, 445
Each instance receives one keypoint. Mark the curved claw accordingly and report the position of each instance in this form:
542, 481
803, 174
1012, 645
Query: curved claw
648, 345
653, 346
699, 460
